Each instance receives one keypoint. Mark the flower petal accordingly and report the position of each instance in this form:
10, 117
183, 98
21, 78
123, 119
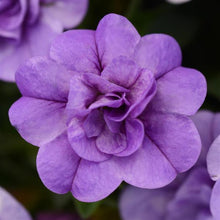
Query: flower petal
176, 136
93, 124
68, 13
213, 160
101, 180
134, 134
57, 164
35, 42
159, 53
215, 201
13, 17
104, 101
42, 78
83, 146
181, 90
10, 208
76, 49
121, 71
11, 56
111, 143
147, 167
204, 121
80, 97
115, 36
35, 119
101, 84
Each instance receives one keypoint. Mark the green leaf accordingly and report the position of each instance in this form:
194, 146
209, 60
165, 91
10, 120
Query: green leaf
86, 210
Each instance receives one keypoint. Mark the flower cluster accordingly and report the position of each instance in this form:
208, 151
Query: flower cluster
109, 106
192, 196
28, 26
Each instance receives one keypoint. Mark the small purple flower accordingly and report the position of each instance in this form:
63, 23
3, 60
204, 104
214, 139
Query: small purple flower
11, 208
28, 26
193, 197
109, 106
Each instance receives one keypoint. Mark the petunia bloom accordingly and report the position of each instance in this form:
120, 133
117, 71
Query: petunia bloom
109, 106
28, 26
193, 197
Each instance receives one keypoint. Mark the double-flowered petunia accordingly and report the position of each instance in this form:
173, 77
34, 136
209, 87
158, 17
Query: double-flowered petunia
193, 196
28, 26
108, 106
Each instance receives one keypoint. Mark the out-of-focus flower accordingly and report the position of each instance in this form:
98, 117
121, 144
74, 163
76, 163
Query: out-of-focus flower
195, 197
11, 208
108, 106
178, 1
28, 26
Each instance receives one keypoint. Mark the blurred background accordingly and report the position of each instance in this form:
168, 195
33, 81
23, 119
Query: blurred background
195, 25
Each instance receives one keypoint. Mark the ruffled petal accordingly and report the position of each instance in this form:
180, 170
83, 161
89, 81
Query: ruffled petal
115, 36
93, 124
33, 11
83, 146
66, 13
159, 53
147, 168
13, 17
80, 97
42, 78
181, 91
111, 143
101, 84
104, 101
35, 119
213, 160
176, 136
11, 208
134, 135
101, 180
76, 49
122, 71
57, 164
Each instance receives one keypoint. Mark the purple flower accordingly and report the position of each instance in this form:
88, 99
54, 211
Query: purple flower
193, 197
109, 106
28, 26
179, 201
11, 208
